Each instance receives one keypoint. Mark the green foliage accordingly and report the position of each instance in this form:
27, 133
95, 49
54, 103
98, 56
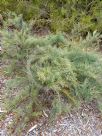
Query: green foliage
46, 71
59, 15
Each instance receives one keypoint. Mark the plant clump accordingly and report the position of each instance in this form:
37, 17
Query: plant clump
47, 72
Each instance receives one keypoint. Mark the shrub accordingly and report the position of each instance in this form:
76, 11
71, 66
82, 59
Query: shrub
46, 72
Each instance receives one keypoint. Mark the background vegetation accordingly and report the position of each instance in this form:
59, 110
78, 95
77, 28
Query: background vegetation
59, 15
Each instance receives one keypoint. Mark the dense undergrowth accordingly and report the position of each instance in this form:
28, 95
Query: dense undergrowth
59, 15
51, 72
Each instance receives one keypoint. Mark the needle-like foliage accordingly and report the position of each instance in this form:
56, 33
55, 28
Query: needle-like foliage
48, 72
